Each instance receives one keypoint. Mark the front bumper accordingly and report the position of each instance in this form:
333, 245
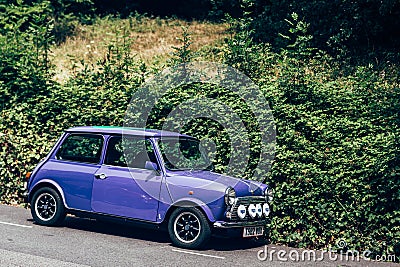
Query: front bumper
238, 224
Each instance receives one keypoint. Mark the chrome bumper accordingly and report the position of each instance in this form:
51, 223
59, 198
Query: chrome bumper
223, 224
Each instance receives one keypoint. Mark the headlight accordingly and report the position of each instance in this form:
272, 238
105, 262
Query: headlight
252, 211
259, 210
269, 194
230, 196
241, 211
266, 209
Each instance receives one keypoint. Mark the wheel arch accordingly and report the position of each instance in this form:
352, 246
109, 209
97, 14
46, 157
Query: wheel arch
189, 202
47, 183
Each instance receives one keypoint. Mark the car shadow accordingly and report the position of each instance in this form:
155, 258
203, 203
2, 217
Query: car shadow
159, 236
116, 229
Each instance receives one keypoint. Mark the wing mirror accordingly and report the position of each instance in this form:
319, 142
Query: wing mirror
151, 166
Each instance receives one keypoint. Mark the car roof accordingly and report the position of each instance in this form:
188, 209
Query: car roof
126, 131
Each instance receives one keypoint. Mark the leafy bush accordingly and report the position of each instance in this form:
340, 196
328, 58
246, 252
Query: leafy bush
24, 43
337, 26
66, 13
32, 122
336, 170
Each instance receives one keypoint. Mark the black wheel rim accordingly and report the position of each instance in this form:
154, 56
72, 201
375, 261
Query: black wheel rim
187, 227
45, 207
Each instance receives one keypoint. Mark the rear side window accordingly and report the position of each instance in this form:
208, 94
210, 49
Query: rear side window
81, 148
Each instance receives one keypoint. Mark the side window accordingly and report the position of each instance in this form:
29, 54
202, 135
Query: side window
136, 153
115, 152
82, 148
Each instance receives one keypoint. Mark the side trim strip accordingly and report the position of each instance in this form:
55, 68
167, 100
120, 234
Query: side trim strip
111, 217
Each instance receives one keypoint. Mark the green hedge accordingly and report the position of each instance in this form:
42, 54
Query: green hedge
337, 163
336, 170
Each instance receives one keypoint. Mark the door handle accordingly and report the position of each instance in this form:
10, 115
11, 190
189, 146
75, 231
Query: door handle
101, 176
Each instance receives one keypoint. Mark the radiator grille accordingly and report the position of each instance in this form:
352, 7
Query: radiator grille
246, 201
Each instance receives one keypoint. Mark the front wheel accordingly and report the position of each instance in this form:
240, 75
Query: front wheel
189, 228
47, 207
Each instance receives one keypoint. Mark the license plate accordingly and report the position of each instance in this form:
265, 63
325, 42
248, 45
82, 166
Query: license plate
253, 231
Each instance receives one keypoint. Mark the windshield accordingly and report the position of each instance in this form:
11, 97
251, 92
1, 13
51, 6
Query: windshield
184, 154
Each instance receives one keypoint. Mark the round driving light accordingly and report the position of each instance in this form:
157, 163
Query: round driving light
230, 196
259, 210
266, 209
252, 211
241, 211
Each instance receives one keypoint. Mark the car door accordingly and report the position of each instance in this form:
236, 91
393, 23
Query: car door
73, 167
122, 186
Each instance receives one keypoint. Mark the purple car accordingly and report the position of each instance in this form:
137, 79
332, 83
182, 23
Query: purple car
149, 178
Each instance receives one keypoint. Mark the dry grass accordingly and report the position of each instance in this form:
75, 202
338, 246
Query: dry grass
152, 40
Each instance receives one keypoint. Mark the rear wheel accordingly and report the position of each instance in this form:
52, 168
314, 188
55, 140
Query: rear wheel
47, 207
189, 228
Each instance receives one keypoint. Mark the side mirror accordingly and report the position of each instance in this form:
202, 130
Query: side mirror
151, 166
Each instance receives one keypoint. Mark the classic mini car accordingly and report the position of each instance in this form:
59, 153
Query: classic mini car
146, 177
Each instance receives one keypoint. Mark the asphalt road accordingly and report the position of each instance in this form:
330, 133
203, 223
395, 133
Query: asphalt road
84, 242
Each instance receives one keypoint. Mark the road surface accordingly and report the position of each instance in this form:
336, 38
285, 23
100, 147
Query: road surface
84, 242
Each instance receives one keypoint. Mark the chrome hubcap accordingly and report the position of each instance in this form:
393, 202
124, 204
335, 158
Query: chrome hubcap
45, 207
187, 227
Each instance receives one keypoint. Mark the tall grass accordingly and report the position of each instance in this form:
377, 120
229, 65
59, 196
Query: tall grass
152, 40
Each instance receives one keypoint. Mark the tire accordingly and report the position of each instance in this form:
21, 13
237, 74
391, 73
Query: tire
47, 207
189, 228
